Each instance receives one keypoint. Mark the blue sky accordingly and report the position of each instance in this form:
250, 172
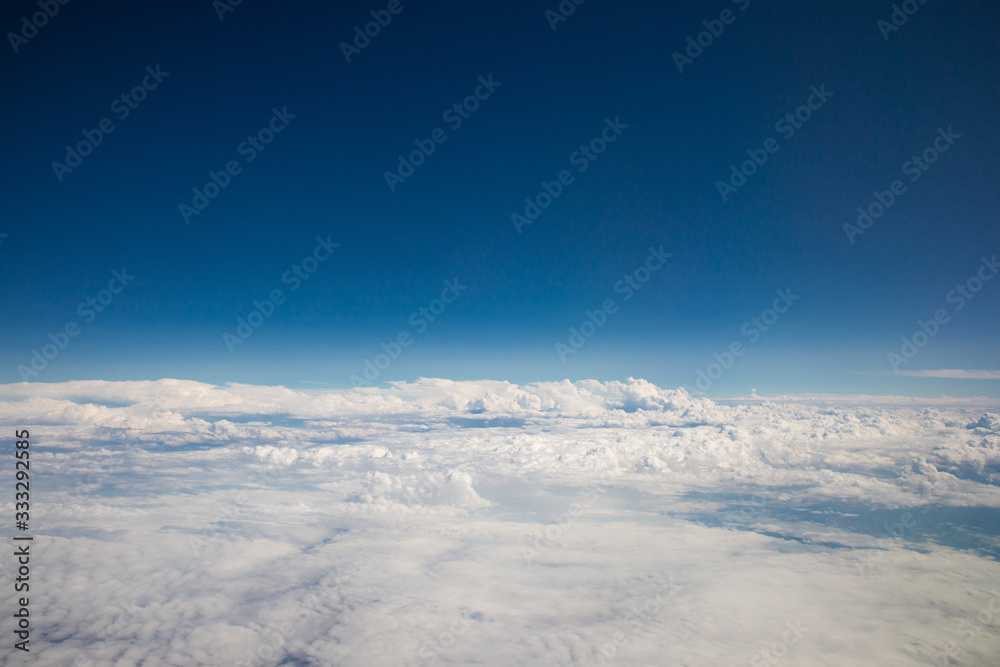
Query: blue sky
553, 91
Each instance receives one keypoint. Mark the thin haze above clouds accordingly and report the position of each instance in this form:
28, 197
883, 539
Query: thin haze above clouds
955, 374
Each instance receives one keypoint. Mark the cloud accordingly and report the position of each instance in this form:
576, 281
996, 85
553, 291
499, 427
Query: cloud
987, 422
946, 373
442, 522
954, 374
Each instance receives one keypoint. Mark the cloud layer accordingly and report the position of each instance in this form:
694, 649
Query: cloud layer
954, 374
442, 522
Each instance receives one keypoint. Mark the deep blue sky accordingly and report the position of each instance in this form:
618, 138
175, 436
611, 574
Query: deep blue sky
655, 185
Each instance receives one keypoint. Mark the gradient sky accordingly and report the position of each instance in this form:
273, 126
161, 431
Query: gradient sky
323, 176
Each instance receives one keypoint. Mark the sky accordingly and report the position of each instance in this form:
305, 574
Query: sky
316, 194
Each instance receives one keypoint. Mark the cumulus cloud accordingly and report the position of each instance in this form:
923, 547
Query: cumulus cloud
988, 422
442, 522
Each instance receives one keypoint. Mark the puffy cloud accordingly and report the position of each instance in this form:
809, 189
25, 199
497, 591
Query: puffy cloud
441, 522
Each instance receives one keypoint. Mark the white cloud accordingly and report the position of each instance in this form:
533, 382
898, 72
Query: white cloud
441, 522
954, 374
947, 373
